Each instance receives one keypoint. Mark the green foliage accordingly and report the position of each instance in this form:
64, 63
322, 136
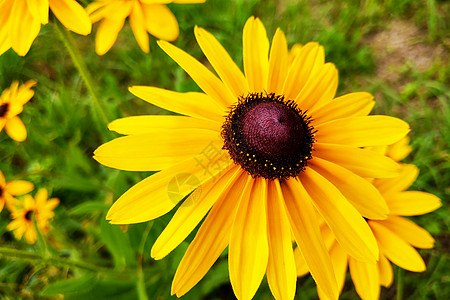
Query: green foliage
88, 258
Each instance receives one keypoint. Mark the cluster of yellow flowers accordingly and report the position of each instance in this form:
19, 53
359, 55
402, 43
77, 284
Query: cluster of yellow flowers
293, 180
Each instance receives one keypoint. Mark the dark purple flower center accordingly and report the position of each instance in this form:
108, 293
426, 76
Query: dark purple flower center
3, 109
268, 136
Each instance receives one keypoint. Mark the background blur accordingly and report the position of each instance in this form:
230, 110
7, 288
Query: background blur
396, 49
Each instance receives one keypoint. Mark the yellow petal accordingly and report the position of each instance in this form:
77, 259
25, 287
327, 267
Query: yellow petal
211, 239
72, 15
278, 63
385, 271
281, 269
158, 149
309, 59
319, 89
107, 34
410, 232
204, 78
39, 10
41, 197
159, 193
2, 179
23, 28
339, 259
221, 61
350, 105
160, 21
364, 163
255, 54
16, 130
191, 104
192, 211
305, 227
350, 229
249, 249
24, 94
137, 25
412, 203
18, 187
399, 150
366, 279
147, 124
400, 183
362, 131
396, 249
115, 10
357, 190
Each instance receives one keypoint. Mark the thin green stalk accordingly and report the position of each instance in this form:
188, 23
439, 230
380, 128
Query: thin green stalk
140, 284
59, 261
79, 63
399, 284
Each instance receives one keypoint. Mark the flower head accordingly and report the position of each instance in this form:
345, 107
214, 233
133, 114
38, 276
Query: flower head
40, 208
11, 104
146, 16
266, 146
396, 236
21, 21
10, 189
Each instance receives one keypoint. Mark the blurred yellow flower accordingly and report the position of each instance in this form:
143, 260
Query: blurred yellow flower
10, 189
265, 146
396, 236
146, 16
41, 208
21, 21
11, 104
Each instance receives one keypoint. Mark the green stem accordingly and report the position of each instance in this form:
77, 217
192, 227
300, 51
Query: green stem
140, 284
58, 261
78, 61
399, 284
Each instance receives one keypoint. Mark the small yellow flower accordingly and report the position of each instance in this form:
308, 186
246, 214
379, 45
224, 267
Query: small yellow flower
10, 189
21, 21
41, 208
146, 16
11, 104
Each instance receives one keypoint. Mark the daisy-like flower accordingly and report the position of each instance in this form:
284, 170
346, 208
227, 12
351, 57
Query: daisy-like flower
265, 148
41, 208
21, 21
146, 16
10, 189
396, 236
11, 104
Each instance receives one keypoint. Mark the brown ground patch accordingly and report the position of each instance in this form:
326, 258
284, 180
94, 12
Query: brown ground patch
402, 42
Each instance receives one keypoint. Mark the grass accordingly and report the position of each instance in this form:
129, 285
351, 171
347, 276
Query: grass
90, 259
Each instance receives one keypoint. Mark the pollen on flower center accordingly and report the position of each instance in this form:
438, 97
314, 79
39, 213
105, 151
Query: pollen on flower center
268, 136
3, 109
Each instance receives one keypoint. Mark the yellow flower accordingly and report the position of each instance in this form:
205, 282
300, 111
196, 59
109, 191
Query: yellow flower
264, 149
21, 21
396, 236
41, 208
11, 104
10, 189
146, 16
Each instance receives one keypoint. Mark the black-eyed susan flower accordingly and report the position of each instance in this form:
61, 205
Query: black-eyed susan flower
266, 146
11, 104
10, 189
21, 21
41, 208
146, 16
396, 236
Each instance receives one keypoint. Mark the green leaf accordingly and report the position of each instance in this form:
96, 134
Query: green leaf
71, 286
89, 207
